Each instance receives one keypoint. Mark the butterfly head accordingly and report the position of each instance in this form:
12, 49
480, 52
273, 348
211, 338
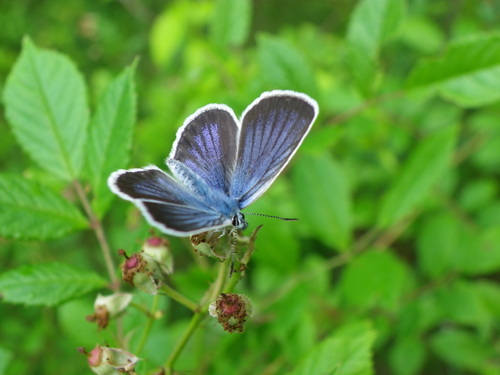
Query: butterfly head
238, 221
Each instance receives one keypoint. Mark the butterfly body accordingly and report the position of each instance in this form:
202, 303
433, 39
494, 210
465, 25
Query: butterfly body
219, 165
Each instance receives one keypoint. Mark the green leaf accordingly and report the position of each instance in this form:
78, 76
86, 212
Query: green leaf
231, 22
463, 350
479, 255
47, 284
407, 356
363, 68
468, 73
32, 211
47, 109
371, 24
110, 136
437, 244
419, 173
5, 358
283, 66
376, 279
169, 31
323, 198
347, 352
461, 302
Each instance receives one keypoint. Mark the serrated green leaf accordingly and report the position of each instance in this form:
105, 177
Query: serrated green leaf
418, 174
323, 198
32, 211
375, 279
347, 352
231, 22
468, 73
46, 107
110, 136
283, 66
47, 284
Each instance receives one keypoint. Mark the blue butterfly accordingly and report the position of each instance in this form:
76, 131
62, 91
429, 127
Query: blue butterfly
219, 165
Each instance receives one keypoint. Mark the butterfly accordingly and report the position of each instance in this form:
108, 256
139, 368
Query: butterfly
219, 164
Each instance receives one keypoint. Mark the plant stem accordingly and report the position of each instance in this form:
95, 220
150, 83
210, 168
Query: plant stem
99, 233
149, 325
175, 295
193, 324
200, 313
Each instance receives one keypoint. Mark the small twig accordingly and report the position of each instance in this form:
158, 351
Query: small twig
99, 233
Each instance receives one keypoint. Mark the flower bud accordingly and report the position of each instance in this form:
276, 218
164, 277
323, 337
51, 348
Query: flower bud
231, 311
143, 272
159, 249
107, 307
110, 361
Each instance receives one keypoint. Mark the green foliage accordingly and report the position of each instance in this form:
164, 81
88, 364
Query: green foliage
47, 284
327, 215
418, 175
393, 265
30, 210
46, 106
347, 352
110, 136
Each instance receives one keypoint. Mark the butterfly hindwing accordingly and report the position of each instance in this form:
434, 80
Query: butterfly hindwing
165, 202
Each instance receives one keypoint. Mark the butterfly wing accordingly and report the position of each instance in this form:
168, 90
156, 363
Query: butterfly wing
206, 145
166, 203
272, 129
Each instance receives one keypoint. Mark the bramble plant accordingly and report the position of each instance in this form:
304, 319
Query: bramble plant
393, 265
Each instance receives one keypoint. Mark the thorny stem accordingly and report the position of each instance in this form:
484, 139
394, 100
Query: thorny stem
99, 233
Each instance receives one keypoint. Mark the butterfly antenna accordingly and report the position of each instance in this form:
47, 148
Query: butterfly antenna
272, 216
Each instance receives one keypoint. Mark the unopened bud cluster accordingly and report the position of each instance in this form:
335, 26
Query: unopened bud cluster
231, 311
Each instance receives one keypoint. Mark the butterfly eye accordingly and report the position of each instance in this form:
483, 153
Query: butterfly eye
239, 221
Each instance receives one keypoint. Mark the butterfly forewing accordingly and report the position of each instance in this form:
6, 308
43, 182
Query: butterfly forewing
272, 129
206, 144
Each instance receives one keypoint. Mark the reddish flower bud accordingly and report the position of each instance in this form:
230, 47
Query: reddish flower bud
158, 248
231, 311
110, 361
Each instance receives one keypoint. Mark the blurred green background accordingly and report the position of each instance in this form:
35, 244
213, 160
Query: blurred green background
394, 265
